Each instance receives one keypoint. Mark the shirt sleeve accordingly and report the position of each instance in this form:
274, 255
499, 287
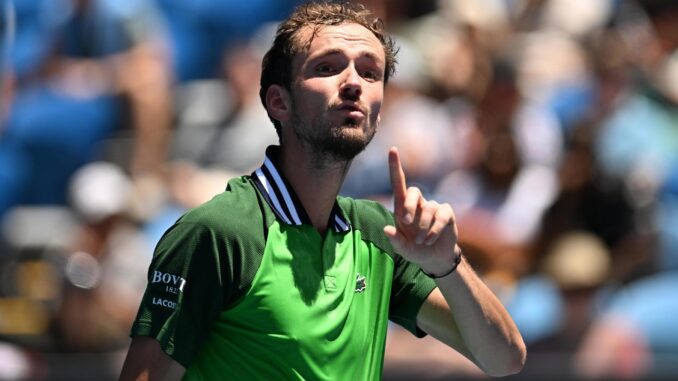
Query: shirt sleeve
409, 290
185, 291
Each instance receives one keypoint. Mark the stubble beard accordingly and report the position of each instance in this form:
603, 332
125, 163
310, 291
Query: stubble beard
330, 143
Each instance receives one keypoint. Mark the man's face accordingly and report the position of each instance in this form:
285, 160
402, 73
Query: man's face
337, 90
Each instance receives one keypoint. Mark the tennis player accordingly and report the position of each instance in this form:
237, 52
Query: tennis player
278, 278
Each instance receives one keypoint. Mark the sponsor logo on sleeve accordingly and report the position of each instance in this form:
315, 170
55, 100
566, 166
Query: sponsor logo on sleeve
165, 303
172, 284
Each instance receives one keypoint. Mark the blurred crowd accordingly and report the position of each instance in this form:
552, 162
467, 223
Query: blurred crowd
551, 126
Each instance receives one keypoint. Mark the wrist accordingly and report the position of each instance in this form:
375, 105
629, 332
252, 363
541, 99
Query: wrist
444, 271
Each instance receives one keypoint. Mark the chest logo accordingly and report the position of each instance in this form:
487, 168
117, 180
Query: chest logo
360, 283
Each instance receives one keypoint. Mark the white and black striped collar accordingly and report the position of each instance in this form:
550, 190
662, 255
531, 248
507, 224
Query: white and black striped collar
282, 199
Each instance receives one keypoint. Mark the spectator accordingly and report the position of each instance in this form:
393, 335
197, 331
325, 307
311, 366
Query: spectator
97, 57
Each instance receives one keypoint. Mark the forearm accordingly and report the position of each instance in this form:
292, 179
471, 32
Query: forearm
484, 331
462, 312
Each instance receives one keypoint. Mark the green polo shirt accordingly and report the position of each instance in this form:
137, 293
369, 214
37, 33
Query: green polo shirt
244, 288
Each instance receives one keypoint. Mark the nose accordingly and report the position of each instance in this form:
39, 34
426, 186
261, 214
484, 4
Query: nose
351, 87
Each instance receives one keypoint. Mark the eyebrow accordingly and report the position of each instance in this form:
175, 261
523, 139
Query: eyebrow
332, 51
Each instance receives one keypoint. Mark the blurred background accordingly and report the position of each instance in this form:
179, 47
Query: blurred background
551, 126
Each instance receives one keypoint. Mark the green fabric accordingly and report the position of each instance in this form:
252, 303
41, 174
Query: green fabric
214, 249
264, 300
410, 285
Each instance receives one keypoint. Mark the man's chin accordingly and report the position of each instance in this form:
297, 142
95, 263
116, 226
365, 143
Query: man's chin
346, 151
342, 141
348, 144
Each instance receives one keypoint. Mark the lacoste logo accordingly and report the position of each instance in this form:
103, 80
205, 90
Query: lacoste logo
165, 303
360, 283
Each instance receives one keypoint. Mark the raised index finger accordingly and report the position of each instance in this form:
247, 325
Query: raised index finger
397, 180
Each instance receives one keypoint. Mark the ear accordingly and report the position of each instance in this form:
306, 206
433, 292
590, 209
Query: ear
278, 103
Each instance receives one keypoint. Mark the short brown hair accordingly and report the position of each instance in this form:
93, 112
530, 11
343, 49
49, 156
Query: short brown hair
277, 63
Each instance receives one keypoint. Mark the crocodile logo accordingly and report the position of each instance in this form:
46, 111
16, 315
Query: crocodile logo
360, 283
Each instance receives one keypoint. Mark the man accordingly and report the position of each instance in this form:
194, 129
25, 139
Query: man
278, 278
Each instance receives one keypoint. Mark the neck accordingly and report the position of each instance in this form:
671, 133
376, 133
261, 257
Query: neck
315, 180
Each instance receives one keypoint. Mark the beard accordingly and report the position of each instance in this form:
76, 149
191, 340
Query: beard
332, 142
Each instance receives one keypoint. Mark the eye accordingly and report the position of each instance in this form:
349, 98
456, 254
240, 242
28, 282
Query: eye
373, 75
370, 75
324, 69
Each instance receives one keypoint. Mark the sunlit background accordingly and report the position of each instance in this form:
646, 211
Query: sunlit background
551, 126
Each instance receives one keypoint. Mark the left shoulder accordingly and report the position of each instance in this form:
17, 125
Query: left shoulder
360, 211
369, 217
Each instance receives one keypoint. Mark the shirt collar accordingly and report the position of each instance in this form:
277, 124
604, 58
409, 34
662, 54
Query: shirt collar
282, 199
